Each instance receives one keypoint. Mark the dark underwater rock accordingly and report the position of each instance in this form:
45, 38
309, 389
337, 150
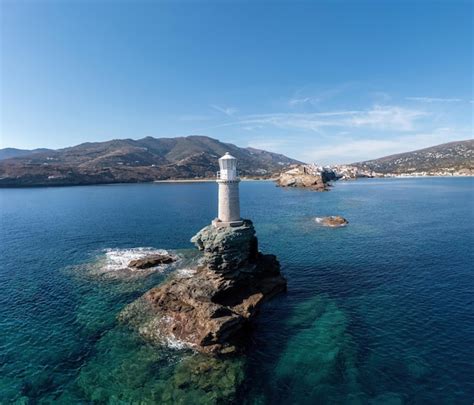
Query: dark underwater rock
123, 370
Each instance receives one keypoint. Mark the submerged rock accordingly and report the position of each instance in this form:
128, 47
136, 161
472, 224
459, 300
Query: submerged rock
210, 310
332, 221
124, 371
319, 351
205, 380
151, 261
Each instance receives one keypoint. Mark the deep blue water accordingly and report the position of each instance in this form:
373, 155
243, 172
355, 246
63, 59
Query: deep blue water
378, 312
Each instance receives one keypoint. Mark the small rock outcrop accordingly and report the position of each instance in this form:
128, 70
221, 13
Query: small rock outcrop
211, 308
151, 261
307, 176
332, 221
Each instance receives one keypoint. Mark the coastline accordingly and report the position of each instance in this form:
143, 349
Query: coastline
418, 177
203, 180
183, 181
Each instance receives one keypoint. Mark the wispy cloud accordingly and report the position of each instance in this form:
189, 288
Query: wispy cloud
388, 117
377, 117
230, 111
252, 127
434, 99
349, 150
267, 144
296, 101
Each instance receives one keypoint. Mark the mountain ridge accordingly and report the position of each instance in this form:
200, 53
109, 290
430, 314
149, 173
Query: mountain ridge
446, 157
8, 153
133, 161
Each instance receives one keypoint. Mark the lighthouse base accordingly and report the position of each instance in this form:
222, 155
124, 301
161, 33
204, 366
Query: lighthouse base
218, 223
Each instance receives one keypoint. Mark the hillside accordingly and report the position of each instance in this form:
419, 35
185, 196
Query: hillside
446, 158
8, 153
132, 161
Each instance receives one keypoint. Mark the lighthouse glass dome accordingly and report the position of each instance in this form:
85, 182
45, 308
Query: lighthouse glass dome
228, 167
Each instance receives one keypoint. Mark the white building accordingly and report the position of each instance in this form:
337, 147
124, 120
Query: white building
229, 202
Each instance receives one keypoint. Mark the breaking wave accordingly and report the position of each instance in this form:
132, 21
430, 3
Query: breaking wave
118, 259
185, 273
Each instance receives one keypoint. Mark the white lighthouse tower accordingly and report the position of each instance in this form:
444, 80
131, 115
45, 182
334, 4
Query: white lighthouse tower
229, 203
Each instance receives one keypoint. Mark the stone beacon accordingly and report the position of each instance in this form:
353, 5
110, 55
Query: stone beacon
211, 305
229, 202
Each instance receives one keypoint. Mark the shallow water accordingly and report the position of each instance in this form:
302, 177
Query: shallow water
380, 311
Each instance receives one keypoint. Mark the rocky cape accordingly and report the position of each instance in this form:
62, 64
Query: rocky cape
210, 307
449, 159
307, 176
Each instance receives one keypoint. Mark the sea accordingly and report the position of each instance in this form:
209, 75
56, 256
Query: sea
378, 312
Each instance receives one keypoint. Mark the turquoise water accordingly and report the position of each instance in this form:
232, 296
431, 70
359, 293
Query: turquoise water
379, 312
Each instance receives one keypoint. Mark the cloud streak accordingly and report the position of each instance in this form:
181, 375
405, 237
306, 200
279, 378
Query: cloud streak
293, 102
229, 111
434, 99
350, 150
377, 117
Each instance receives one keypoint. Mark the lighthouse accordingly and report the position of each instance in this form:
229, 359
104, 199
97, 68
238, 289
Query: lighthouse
229, 203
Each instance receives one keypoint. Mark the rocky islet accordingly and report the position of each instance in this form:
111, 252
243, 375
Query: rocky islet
211, 311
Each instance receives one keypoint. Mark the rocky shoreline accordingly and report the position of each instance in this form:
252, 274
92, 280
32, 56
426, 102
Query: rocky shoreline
211, 309
319, 178
306, 176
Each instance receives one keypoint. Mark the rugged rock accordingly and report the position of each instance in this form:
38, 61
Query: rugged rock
332, 222
307, 176
151, 261
210, 310
226, 249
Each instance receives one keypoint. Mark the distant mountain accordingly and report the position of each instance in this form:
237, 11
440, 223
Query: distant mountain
133, 161
8, 153
446, 158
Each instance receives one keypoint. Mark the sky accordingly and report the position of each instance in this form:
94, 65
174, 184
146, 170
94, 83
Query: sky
320, 81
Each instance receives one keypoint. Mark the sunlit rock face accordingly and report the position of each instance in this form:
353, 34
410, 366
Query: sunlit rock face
307, 176
151, 261
332, 221
210, 310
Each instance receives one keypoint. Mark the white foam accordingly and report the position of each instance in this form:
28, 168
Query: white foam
318, 220
185, 273
174, 343
171, 340
118, 259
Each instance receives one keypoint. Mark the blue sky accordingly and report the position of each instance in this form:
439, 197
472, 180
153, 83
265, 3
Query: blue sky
325, 81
